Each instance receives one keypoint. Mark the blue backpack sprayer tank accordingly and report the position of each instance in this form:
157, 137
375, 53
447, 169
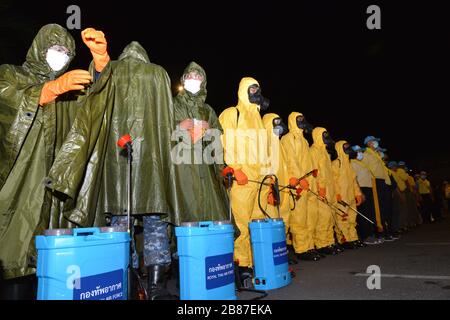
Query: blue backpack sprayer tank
205, 251
87, 263
268, 239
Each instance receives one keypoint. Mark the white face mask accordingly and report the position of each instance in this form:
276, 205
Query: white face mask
360, 156
192, 85
56, 59
381, 154
375, 144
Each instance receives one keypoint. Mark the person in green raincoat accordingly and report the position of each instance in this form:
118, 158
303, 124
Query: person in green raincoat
37, 105
131, 96
200, 154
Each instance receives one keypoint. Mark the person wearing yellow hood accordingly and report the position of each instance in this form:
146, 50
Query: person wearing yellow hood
324, 235
242, 124
348, 191
299, 161
276, 165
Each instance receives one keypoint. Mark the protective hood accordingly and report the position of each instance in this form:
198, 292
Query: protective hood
340, 150
268, 122
317, 137
201, 95
292, 122
243, 101
49, 35
135, 51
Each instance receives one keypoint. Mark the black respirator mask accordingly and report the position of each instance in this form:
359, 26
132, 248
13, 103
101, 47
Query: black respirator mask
279, 128
330, 145
303, 124
348, 150
257, 98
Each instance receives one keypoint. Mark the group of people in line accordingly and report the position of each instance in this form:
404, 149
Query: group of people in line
61, 167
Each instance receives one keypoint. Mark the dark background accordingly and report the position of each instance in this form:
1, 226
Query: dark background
316, 57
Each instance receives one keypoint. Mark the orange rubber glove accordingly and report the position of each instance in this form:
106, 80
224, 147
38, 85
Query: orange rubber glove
241, 177
322, 192
72, 80
293, 182
359, 200
299, 193
339, 197
304, 184
96, 42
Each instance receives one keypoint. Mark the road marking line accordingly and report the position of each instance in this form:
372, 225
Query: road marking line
428, 244
405, 276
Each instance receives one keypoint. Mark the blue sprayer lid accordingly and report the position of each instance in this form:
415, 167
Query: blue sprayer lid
80, 237
202, 228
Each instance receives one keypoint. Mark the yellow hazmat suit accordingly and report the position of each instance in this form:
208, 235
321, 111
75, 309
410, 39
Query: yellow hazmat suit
347, 189
299, 161
243, 151
278, 166
324, 235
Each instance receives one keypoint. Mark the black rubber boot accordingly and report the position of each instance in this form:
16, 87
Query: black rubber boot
292, 259
22, 288
349, 245
330, 250
317, 253
157, 284
308, 256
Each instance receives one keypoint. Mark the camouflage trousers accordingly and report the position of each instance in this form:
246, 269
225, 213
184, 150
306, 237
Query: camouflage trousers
156, 240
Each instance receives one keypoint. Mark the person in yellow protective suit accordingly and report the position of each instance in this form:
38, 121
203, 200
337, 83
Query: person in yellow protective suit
276, 165
242, 125
299, 161
324, 234
347, 191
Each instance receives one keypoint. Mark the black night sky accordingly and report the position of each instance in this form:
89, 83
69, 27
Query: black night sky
312, 56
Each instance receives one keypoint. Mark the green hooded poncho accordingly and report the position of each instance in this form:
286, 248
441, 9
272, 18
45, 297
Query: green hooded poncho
203, 194
132, 96
30, 136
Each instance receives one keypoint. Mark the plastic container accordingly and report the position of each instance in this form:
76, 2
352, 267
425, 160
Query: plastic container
83, 264
270, 255
205, 251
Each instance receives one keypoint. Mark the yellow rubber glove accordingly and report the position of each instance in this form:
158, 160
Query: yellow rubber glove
72, 80
96, 42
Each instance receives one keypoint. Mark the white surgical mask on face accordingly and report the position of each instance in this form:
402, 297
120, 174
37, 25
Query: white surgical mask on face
192, 85
56, 59
360, 156
375, 144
